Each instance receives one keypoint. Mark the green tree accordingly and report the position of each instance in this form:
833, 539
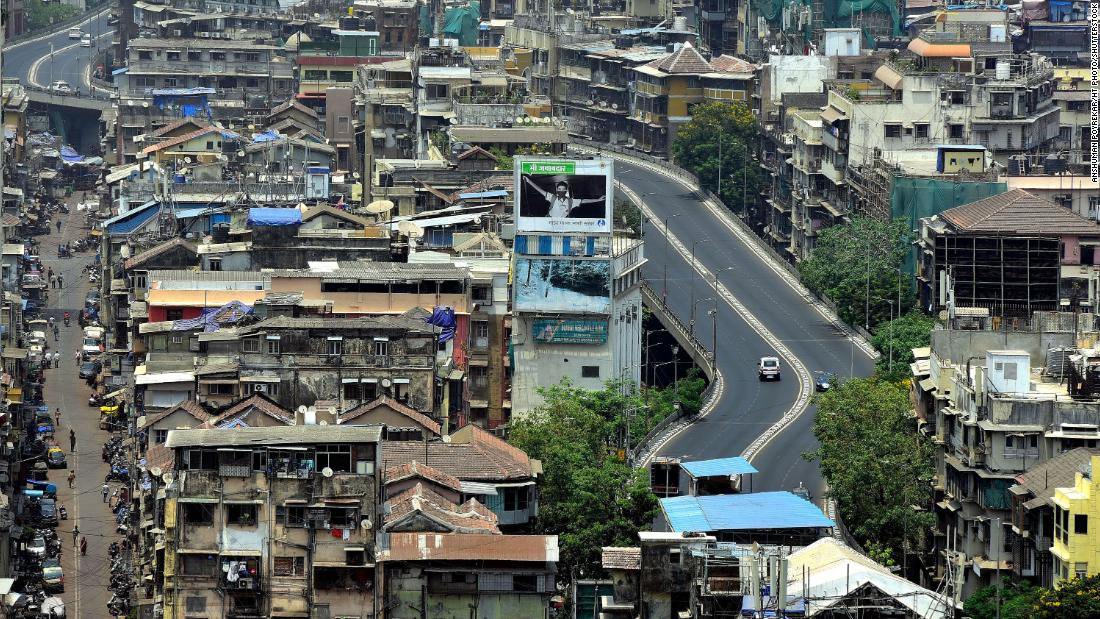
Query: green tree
1018, 599
1077, 598
876, 464
895, 341
728, 130
41, 15
857, 266
589, 496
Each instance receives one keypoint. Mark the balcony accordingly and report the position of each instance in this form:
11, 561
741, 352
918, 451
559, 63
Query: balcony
200, 484
243, 575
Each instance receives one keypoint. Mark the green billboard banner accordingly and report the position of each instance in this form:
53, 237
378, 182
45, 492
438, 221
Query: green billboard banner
570, 331
548, 167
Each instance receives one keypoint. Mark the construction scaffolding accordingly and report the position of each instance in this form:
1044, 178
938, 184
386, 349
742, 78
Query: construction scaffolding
1011, 276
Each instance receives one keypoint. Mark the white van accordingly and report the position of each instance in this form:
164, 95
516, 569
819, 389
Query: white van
75, 33
86, 41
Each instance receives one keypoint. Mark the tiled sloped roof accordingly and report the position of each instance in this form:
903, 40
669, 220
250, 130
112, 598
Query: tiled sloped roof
471, 455
1059, 472
416, 469
160, 249
470, 516
617, 558
732, 64
191, 407
426, 422
180, 139
172, 126
159, 456
687, 59
1018, 212
258, 402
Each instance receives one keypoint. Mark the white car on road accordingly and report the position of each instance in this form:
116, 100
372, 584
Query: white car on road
75, 33
61, 87
86, 41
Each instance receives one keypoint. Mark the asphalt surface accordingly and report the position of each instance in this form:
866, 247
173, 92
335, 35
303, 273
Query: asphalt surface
30, 60
86, 577
747, 407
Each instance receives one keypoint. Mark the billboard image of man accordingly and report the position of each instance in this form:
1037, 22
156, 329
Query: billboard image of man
561, 202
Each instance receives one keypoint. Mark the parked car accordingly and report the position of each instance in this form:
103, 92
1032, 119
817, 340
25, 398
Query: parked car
92, 298
768, 368
37, 546
47, 510
53, 576
823, 381
90, 369
55, 458
61, 87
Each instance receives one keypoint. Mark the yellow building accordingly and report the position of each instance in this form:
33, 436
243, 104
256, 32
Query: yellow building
1076, 550
667, 88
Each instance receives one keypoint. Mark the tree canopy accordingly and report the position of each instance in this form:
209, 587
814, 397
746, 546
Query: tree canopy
1018, 601
719, 139
896, 340
41, 15
856, 266
1077, 598
877, 466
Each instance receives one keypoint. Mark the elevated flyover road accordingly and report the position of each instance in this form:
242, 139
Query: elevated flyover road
762, 311
30, 60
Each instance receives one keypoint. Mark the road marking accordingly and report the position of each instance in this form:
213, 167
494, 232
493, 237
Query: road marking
43, 37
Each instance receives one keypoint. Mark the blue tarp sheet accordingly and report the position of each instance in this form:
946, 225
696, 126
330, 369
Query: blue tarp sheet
182, 92
229, 135
70, 155
443, 317
213, 318
265, 216
266, 136
496, 193
740, 512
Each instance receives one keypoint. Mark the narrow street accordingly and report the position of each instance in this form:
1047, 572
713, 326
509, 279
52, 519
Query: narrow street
87, 577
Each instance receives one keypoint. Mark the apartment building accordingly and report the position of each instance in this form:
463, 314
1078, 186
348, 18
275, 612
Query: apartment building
998, 405
395, 21
261, 522
232, 81
1076, 552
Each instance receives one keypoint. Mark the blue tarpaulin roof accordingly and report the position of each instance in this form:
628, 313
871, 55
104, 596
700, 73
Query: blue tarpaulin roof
191, 213
741, 512
267, 136
496, 193
69, 154
132, 219
213, 318
718, 468
230, 135
266, 216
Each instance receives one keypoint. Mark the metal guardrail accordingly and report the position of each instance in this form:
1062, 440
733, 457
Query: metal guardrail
73, 95
59, 26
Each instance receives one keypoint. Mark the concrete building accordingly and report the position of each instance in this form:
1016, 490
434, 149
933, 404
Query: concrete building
1076, 551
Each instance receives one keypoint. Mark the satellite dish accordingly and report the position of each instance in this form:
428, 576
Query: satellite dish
130, 102
943, 315
240, 153
156, 471
410, 229
302, 409
144, 104
327, 472
366, 523
379, 206
322, 423
187, 160
169, 477
386, 382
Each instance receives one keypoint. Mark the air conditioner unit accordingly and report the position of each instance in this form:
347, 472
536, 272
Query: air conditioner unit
204, 35
177, 33
259, 388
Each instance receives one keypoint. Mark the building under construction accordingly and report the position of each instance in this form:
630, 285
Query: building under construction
1005, 253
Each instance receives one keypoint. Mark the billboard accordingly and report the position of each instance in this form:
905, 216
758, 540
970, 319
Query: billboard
564, 196
552, 331
562, 285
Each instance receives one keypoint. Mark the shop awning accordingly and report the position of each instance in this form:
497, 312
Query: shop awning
887, 75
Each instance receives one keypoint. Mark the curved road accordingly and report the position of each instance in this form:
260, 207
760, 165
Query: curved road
746, 407
30, 60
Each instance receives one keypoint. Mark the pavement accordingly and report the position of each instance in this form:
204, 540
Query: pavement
31, 60
86, 577
747, 406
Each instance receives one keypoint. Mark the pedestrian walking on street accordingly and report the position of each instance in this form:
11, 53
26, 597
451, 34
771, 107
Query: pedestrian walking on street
76, 356
57, 359
49, 272
76, 534
106, 491
72, 440
57, 417
83, 546
72, 479
59, 284
59, 225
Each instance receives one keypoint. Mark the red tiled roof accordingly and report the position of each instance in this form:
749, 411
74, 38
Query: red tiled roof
472, 454
472, 547
395, 474
172, 126
291, 103
471, 516
191, 407
732, 64
256, 401
1018, 212
160, 457
426, 422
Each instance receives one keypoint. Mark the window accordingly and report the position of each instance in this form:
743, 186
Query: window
590, 371
356, 556
481, 333
269, 389
193, 344
342, 124
199, 460
1080, 524
315, 75
955, 131
1080, 570
920, 130
173, 314
436, 91
217, 55
335, 346
220, 390
195, 604
382, 348
240, 514
198, 513
343, 518
250, 344
160, 436
891, 130
289, 566
335, 457
526, 583
515, 499
139, 281
352, 391
273, 344
215, 264
291, 515
482, 295
194, 56
1010, 371
177, 339
340, 76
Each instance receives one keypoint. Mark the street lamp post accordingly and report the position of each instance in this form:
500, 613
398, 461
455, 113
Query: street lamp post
691, 325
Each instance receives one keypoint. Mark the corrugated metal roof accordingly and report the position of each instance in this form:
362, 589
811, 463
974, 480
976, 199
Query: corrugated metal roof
381, 271
164, 378
275, 435
738, 512
718, 467
470, 547
133, 219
